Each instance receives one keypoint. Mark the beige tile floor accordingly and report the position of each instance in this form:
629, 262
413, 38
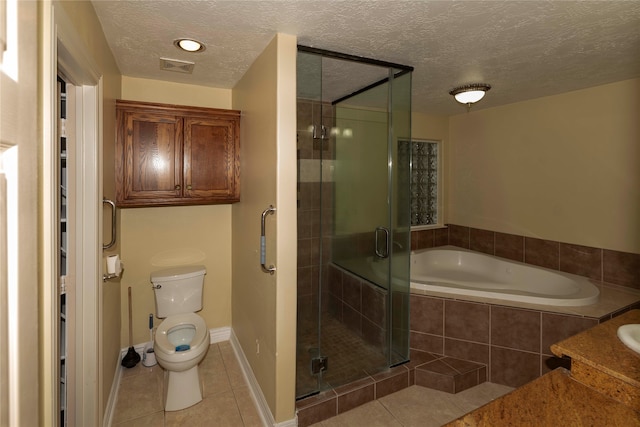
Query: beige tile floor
226, 399
417, 406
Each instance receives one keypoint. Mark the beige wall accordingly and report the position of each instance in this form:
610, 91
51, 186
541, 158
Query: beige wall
563, 167
427, 126
287, 230
161, 237
88, 29
263, 305
147, 90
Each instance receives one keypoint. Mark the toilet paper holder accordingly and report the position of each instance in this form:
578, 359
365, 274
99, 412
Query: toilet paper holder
114, 268
108, 276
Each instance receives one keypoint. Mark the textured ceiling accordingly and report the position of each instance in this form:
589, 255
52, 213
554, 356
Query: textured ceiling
524, 49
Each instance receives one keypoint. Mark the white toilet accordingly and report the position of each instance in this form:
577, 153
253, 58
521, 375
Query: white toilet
182, 339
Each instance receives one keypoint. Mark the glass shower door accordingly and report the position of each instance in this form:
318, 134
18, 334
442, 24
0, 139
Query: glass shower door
353, 235
309, 189
400, 208
372, 210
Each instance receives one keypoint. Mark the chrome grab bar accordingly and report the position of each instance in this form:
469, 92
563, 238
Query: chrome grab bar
263, 241
113, 224
386, 242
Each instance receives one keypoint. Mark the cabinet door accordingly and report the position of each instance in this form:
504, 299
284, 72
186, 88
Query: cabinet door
152, 156
211, 158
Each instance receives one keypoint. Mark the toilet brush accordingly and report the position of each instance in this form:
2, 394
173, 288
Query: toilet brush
148, 355
132, 358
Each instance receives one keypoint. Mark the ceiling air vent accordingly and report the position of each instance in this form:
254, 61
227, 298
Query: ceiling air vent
176, 65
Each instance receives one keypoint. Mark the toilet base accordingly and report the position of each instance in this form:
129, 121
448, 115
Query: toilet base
181, 389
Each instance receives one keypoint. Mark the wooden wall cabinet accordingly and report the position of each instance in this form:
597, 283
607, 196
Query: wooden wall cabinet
176, 155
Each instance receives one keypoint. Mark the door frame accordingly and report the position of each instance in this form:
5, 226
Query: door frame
65, 52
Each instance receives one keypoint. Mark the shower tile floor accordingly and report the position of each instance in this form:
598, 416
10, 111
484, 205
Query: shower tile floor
350, 357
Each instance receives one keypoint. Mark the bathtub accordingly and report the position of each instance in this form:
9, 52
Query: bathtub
455, 271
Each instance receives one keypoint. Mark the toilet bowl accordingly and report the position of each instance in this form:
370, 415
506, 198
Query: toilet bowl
182, 339
181, 342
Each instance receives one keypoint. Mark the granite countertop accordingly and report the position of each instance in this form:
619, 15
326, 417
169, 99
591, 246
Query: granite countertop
602, 388
555, 399
600, 348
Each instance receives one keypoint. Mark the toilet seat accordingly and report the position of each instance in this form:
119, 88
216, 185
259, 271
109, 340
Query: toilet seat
162, 343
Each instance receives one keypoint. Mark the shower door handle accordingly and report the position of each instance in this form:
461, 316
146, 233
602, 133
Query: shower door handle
380, 254
263, 241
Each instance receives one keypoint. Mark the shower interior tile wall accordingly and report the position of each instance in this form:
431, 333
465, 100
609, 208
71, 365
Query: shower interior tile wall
359, 305
315, 201
513, 343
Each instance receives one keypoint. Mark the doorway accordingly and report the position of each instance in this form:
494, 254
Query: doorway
64, 142
66, 57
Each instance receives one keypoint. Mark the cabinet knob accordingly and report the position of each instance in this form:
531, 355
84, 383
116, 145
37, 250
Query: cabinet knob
189, 187
177, 187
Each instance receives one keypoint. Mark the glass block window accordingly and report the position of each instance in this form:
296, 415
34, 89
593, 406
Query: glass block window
424, 182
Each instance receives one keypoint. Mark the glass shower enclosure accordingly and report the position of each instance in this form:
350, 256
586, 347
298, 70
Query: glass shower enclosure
354, 162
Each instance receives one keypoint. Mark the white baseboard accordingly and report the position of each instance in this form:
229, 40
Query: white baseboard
290, 423
256, 392
220, 334
113, 395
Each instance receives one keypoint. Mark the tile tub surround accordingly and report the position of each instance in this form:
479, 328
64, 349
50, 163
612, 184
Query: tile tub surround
450, 375
602, 388
513, 338
605, 266
514, 343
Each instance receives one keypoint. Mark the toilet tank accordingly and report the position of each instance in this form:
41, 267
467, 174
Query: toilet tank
178, 290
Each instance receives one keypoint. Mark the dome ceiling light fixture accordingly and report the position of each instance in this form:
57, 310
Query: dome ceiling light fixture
469, 94
189, 45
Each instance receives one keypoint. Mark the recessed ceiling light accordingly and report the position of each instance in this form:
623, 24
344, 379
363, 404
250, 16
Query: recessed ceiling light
189, 45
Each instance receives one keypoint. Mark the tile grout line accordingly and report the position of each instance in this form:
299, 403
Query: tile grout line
489, 370
540, 344
388, 410
601, 265
444, 328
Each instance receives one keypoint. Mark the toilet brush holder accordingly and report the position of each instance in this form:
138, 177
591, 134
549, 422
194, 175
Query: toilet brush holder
149, 356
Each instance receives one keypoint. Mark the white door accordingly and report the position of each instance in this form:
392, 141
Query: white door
19, 252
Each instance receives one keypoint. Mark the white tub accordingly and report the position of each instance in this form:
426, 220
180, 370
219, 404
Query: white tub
455, 271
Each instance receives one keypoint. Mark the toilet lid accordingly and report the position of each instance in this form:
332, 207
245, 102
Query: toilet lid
180, 330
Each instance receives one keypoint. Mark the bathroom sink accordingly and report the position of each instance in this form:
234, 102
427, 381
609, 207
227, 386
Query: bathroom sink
630, 336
